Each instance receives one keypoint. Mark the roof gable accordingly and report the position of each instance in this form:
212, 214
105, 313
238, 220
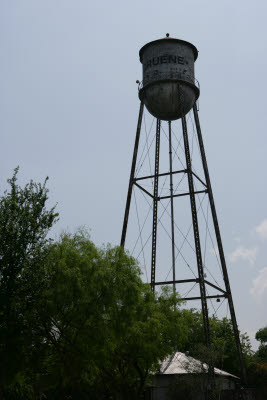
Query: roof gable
180, 363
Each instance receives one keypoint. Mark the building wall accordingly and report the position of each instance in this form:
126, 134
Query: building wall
189, 387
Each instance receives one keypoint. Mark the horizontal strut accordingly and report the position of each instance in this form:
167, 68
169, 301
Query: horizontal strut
163, 174
189, 281
182, 194
207, 297
168, 197
180, 281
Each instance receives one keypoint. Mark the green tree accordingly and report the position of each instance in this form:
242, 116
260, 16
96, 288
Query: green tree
261, 336
258, 366
223, 343
24, 224
105, 331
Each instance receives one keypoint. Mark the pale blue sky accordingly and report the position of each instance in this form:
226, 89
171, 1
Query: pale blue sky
68, 109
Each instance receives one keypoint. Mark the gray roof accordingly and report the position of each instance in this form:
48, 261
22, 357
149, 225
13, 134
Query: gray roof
180, 363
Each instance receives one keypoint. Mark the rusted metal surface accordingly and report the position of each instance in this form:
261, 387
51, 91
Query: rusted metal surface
167, 64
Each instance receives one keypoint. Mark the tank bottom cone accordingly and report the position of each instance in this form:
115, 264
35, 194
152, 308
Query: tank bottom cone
169, 100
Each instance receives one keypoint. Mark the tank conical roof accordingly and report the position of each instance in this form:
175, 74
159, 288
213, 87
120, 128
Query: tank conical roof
195, 50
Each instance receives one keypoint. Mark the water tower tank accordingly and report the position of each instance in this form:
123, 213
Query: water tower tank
169, 88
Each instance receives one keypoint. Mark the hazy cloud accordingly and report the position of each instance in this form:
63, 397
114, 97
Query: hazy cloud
244, 254
237, 239
261, 229
259, 284
215, 251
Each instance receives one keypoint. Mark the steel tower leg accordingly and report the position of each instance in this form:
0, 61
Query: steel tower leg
220, 248
130, 188
196, 236
155, 208
172, 214
211, 377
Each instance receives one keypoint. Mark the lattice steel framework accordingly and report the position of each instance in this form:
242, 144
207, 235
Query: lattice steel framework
223, 292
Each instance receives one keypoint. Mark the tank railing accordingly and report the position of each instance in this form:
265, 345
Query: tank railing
168, 76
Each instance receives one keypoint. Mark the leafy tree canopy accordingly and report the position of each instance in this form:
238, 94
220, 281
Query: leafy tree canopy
261, 335
224, 353
24, 224
105, 331
261, 353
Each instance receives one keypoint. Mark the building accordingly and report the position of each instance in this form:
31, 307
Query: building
183, 377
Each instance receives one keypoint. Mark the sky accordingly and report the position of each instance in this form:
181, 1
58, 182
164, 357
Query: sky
69, 107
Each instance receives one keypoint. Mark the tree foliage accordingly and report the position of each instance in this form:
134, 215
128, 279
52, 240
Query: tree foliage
76, 321
105, 331
24, 224
257, 368
261, 354
224, 352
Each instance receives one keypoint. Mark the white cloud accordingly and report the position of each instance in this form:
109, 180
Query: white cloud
215, 251
261, 229
259, 284
244, 254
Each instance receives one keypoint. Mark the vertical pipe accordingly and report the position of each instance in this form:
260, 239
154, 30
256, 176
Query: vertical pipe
131, 181
155, 208
172, 213
220, 248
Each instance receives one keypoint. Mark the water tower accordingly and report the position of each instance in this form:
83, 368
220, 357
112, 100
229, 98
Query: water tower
169, 91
